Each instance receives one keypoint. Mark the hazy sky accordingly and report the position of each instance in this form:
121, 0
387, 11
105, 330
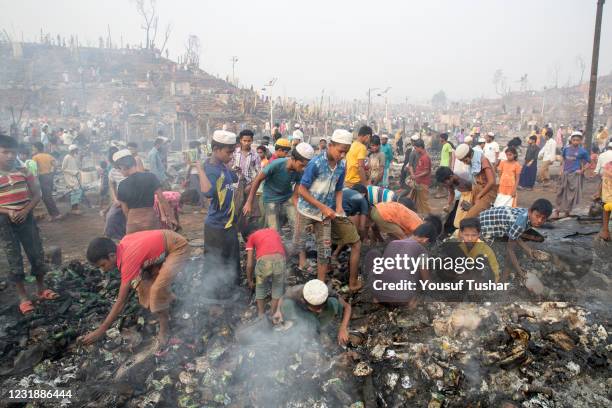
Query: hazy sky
345, 47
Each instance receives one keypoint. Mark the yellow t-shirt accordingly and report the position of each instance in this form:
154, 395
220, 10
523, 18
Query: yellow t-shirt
358, 151
44, 161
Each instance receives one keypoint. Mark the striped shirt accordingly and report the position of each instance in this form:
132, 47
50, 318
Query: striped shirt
14, 190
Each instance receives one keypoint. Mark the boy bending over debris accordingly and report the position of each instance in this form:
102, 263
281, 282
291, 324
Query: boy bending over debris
19, 194
148, 262
510, 223
268, 245
313, 304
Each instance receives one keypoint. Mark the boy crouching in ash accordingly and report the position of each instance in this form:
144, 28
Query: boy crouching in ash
506, 222
148, 262
315, 306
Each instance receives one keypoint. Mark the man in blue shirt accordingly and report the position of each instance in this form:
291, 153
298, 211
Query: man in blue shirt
386, 148
351, 229
217, 183
320, 198
574, 159
156, 165
279, 194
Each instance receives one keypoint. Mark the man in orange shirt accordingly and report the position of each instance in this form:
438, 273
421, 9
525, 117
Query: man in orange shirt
397, 219
46, 168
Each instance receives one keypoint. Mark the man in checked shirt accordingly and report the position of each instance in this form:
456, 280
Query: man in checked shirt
510, 223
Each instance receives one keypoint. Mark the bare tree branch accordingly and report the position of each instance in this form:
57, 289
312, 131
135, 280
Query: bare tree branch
166, 37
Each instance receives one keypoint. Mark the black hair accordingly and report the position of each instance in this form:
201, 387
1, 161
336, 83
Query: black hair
549, 132
159, 141
133, 144
246, 132
408, 203
375, 140
297, 156
360, 188
513, 151
127, 162
111, 151
443, 174
431, 228
444, 136
473, 222
594, 149
103, 164
419, 143
323, 140
7, 142
365, 131
533, 137
100, 248
251, 228
543, 206
194, 144
515, 142
39, 146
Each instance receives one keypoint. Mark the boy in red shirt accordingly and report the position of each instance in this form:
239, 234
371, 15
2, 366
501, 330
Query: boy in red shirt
148, 262
268, 245
19, 194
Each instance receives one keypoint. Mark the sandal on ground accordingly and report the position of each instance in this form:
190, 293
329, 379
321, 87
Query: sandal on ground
26, 307
47, 294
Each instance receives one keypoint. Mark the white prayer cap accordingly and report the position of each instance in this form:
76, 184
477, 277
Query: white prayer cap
297, 126
224, 137
415, 137
384, 137
482, 140
576, 133
73, 147
468, 139
491, 134
462, 151
342, 136
297, 134
121, 154
305, 150
315, 292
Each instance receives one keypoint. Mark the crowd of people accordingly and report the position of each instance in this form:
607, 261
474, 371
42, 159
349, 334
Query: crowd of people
276, 196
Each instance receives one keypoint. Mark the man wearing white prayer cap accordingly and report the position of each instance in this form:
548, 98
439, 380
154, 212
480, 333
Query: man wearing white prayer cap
217, 183
313, 303
320, 198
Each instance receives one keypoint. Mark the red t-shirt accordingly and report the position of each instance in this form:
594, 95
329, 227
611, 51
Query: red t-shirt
423, 164
14, 189
139, 251
265, 242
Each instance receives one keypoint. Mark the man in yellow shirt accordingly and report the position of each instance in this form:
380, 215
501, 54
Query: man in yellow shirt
356, 157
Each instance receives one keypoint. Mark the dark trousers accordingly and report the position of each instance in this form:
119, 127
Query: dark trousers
12, 238
46, 189
222, 254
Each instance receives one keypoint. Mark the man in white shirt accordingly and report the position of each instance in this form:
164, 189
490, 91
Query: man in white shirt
548, 154
491, 149
604, 159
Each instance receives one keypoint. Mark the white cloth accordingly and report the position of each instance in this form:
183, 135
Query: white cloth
490, 151
549, 151
602, 160
70, 168
503, 200
461, 169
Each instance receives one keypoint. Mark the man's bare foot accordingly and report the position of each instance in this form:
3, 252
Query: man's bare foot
604, 235
355, 287
161, 341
